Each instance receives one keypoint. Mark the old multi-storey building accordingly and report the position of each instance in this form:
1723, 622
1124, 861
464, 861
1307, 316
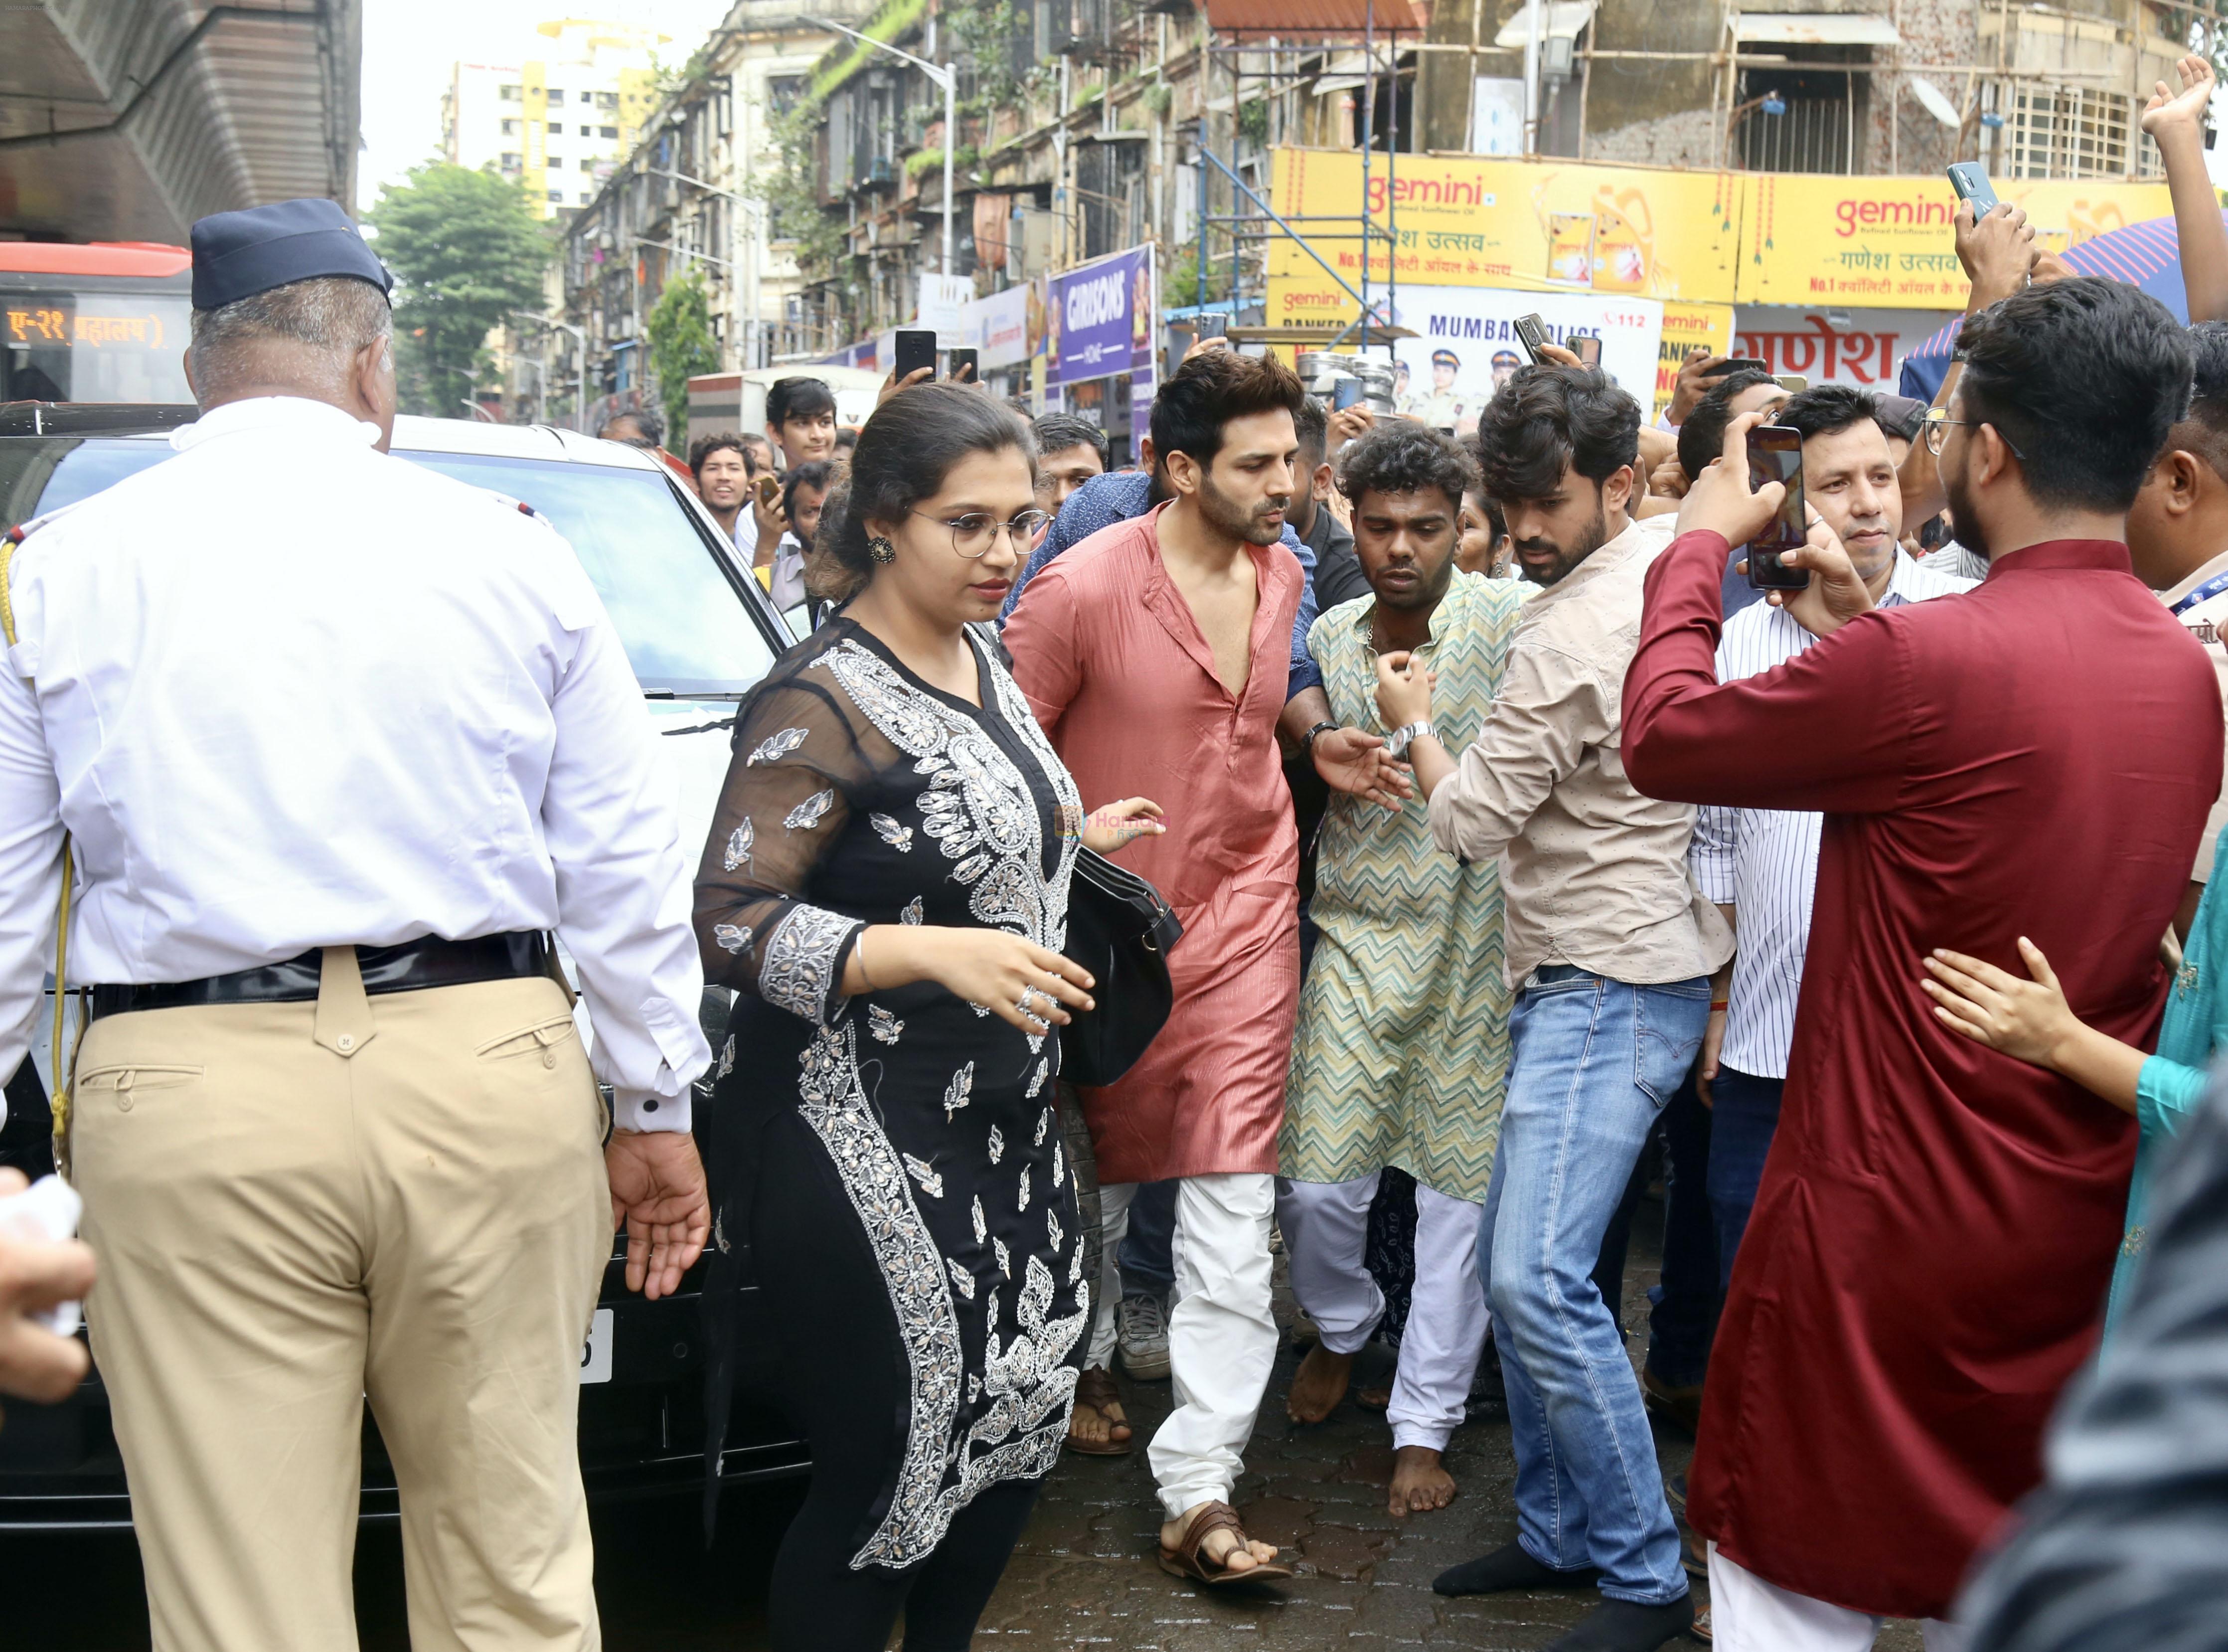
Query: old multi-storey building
560, 118
1086, 126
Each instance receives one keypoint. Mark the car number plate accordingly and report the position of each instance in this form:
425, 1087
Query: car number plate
596, 1351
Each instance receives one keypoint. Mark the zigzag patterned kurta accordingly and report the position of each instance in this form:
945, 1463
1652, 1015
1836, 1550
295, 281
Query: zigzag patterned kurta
1403, 1044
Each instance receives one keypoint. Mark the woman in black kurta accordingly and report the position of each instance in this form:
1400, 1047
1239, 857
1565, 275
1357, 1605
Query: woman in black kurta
910, 1211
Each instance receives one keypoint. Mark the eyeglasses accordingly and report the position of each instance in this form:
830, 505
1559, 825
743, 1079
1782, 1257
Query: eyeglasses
974, 534
1936, 432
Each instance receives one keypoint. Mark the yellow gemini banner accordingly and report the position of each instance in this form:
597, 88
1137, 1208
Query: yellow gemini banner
1693, 237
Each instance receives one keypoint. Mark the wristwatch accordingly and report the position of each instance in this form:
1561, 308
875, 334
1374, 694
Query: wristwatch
1397, 743
1307, 740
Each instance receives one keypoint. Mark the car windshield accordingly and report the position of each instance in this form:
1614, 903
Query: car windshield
686, 631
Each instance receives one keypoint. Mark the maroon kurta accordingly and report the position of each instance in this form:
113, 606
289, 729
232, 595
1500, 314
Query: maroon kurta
1123, 683
1928, 1254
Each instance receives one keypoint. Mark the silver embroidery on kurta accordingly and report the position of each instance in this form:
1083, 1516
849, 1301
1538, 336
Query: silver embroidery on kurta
727, 1057
809, 813
912, 912
1058, 1174
897, 837
997, 1144
977, 808
731, 938
931, 1183
1024, 1205
982, 1224
1044, 1118
1051, 1227
1037, 1082
885, 1027
775, 745
1005, 1257
963, 1282
798, 972
738, 845
956, 1093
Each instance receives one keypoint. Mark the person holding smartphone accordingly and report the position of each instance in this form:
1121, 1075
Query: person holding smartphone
1934, 1226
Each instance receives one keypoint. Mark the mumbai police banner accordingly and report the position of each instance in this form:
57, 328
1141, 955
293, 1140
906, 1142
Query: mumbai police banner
1888, 243
1099, 318
1540, 226
1466, 346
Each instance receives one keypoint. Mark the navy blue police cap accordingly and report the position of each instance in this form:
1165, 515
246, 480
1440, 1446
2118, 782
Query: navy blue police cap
239, 254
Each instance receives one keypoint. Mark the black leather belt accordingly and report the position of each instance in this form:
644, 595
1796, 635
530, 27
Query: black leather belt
412, 967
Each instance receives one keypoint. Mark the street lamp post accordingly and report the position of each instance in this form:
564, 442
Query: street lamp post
948, 78
580, 393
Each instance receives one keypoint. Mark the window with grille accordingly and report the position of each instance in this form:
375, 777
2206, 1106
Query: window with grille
2067, 132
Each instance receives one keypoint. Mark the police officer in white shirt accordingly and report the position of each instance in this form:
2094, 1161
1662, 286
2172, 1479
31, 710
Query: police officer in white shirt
336, 742
1760, 866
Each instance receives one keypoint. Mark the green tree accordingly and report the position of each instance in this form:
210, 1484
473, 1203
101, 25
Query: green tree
680, 344
466, 251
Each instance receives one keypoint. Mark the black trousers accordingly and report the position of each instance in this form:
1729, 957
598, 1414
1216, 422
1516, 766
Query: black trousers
847, 1386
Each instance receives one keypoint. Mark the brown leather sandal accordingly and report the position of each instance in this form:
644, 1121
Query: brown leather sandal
1095, 1388
1189, 1557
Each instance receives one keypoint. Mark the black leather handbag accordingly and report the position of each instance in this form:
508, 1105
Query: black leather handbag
1120, 930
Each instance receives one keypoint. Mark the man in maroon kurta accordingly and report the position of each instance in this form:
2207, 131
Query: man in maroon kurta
1936, 1223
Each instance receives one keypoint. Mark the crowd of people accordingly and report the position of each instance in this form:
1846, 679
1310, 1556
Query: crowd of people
1512, 832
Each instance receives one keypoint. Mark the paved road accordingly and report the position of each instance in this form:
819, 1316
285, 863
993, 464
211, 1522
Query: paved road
1083, 1575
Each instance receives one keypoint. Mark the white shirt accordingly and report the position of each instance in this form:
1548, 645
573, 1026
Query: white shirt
1763, 862
285, 691
2207, 620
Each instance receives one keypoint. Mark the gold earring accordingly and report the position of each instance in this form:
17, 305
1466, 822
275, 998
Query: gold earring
881, 550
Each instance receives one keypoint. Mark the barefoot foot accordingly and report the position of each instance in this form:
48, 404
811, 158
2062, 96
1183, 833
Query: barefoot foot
1419, 1483
1318, 1384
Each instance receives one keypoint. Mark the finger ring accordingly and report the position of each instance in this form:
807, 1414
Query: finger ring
1022, 1004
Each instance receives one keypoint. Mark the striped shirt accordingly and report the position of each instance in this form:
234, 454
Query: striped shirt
1763, 862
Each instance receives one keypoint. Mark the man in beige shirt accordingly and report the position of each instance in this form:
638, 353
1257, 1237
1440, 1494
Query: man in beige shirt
1610, 949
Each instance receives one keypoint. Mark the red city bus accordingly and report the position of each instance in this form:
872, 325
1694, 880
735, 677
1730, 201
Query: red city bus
106, 320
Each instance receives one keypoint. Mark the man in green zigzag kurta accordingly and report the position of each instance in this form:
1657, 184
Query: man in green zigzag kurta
1403, 1041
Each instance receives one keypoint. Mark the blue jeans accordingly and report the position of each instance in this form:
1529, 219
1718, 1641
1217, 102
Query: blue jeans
1147, 1254
1744, 1112
1594, 1060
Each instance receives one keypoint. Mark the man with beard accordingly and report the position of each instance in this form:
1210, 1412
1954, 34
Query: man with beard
1930, 1243
1154, 656
1610, 950
1403, 1042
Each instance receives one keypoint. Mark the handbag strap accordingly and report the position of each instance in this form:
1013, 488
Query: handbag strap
64, 1072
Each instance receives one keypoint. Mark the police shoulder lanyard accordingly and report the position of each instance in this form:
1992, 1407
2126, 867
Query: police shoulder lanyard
2211, 588
64, 1071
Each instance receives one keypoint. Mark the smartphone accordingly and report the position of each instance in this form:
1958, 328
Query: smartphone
768, 487
916, 351
1345, 395
1775, 455
1532, 333
1587, 348
1970, 180
957, 359
1793, 383
1739, 364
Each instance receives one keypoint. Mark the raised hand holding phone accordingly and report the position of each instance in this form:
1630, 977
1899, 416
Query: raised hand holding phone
1775, 455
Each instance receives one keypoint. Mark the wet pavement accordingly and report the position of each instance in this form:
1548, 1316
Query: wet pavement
1083, 1577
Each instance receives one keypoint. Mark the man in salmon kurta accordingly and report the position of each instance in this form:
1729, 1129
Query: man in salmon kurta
1936, 1223
1154, 654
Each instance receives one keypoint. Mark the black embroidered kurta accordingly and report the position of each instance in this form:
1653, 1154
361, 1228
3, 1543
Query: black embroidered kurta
860, 795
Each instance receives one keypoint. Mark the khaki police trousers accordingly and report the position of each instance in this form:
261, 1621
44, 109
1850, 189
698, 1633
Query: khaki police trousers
299, 1207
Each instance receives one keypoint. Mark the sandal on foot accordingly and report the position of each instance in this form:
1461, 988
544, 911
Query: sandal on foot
1189, 1557
1095, 1389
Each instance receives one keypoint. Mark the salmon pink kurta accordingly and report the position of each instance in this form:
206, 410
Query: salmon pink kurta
1122, 680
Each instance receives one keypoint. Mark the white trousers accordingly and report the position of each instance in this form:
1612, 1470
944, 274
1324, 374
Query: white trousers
1222, 1338
1326, 1227
1749, 1615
